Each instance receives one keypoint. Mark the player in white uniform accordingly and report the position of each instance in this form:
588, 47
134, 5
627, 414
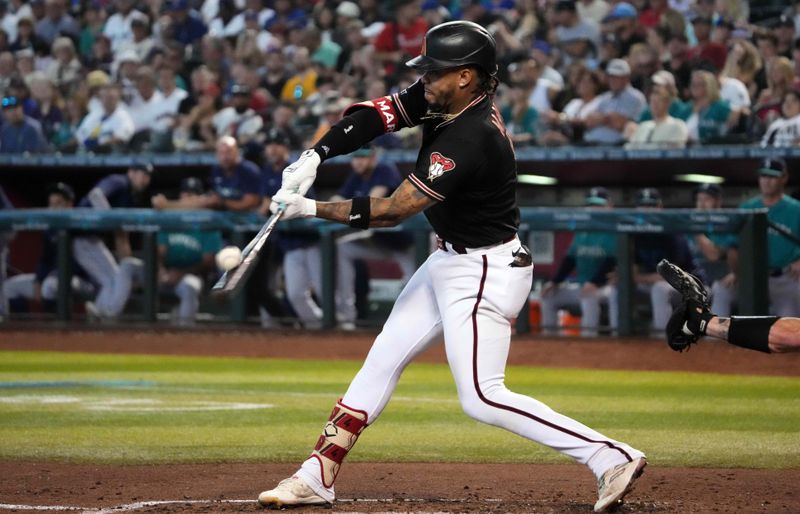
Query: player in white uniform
469, 289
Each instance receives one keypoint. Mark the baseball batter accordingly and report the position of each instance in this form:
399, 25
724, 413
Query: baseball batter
469, 289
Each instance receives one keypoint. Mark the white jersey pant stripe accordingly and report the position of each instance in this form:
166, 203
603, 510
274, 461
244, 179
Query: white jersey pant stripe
470, 299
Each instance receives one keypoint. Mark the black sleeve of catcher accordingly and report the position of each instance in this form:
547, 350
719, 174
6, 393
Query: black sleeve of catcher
564, 269
350, 133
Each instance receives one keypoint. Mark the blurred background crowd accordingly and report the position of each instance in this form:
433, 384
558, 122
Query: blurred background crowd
175, 75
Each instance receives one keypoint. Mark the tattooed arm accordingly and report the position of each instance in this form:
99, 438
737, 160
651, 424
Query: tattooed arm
405, 202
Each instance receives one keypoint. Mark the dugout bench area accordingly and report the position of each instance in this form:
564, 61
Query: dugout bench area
750, 225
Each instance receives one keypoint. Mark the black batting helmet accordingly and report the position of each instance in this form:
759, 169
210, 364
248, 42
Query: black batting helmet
456, 43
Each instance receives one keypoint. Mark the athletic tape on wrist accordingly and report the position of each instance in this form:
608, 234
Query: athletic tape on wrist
338, 436
359, 212
751, 332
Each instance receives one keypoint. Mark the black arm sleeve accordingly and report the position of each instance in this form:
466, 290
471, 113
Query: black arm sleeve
350, 133
566, 267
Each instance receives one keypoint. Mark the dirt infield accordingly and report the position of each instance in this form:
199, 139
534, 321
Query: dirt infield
391, 487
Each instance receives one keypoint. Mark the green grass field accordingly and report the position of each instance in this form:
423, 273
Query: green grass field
151, 409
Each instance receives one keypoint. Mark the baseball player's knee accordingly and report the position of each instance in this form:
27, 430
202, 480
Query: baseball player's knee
50, 288
475, 404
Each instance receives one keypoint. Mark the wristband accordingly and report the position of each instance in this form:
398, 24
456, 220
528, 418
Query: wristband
359, 212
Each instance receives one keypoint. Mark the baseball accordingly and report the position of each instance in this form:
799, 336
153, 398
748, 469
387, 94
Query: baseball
228, 258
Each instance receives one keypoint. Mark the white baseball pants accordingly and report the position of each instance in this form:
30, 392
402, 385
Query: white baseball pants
784, 297
302, 272
470, 300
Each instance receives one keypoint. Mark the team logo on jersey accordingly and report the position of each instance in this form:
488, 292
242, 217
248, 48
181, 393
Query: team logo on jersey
439, 164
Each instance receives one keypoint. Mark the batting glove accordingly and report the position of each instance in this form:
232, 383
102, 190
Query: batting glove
293, 205
299, 176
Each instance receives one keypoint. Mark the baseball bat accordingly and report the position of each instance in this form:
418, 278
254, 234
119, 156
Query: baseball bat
233, 280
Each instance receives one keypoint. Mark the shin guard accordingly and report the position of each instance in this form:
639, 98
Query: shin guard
338, 436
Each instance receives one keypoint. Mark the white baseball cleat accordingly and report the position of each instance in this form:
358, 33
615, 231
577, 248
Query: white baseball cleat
617, 482
289, 492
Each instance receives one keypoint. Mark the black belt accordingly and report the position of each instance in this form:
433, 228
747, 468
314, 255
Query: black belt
442, 244
776, 272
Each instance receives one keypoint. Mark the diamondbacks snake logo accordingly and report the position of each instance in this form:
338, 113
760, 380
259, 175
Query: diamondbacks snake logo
439, 164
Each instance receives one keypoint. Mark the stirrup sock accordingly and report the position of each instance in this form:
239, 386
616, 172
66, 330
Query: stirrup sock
338, 436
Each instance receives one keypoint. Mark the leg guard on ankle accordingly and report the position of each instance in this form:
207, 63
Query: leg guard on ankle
339, 435
751, 332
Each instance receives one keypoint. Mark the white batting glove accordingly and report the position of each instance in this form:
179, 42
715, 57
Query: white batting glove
294, 205
299, 175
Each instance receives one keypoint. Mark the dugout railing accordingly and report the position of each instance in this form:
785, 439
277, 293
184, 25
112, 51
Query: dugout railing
750, 225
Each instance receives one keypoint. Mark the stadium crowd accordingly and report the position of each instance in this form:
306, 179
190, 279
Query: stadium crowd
175, 75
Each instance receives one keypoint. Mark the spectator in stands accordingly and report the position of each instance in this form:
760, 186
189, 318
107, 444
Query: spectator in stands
665, 81
92, 23
592, 257
185, 25
785, 131
8, 66
701, 26
616, 108
19, 133
63, 140
663, 131
644, 62
520, 118
785, 32
238, 120
714, 253
65, 69
767, 43
593, 10
528, 74
48, 103
570, 28
141, 44
27, 37
8, 21
568, 125
195, 126
226, 23
622, 20
145, 108
542, 53
112, 191
275, 76
744, 63
39, 289
57, 22
780, 80
118, 27
402, 37
95, 82
369, 176
101, 57
303, 83
108, 129
235, 184
302, 268
721, 34
710, 116
679, 63
283, 118
783, 255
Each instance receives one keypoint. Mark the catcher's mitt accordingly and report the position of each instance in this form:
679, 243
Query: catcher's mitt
689, 286
690, 319
677, 337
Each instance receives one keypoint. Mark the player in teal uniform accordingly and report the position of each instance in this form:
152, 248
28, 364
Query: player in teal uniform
784, 256
715, 253
591, 256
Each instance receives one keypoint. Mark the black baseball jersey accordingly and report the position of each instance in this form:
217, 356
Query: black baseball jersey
466, 163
